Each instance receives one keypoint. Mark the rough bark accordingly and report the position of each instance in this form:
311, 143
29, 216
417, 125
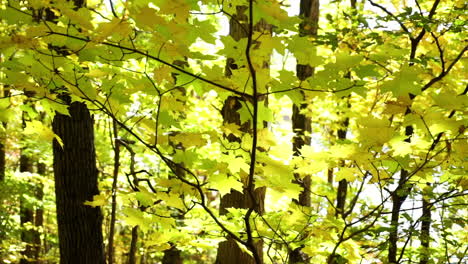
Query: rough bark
75, 173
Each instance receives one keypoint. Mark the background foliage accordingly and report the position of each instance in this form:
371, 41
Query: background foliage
389, 75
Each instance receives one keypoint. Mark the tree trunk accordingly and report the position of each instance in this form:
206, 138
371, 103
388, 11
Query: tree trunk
399, 195
301, 124
79, 226
3, 137
26, 210
2, 156
173, 254
425, 236
228, 251
39, 214
110, 245
133, 246
342, 184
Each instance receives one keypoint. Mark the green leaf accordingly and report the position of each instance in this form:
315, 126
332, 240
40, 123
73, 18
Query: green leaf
40, 131
405, 82
98, 200
224, 183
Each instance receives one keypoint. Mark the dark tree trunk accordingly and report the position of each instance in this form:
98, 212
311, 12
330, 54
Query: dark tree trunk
133, 246
342, 184
425, 236
3, 137
399, 195
26, 210
79, 226
301, 124
39, 214
2, 156
110, 245
172, 256
228, 251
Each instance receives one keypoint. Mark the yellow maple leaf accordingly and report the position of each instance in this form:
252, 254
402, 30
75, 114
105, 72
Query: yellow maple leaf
349, 174
98, 200
41, 131
190, 139
163, 73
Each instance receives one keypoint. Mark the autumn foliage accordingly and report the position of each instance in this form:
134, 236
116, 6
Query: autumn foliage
193, 101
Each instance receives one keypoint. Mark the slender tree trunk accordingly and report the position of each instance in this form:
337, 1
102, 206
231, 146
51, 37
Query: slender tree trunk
301, 124
403, 189
399, 195
133, 246
39, 214
132, 258
2, 155
341, 194
26, 214
342, 184
110, 246
3, 137
173, 254
79, 226
228, 251
425, 236
2, 168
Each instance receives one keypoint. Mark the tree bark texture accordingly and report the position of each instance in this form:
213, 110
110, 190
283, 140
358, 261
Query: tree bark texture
75, 172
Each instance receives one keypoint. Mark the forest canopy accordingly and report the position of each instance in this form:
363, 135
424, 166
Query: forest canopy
243, 131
